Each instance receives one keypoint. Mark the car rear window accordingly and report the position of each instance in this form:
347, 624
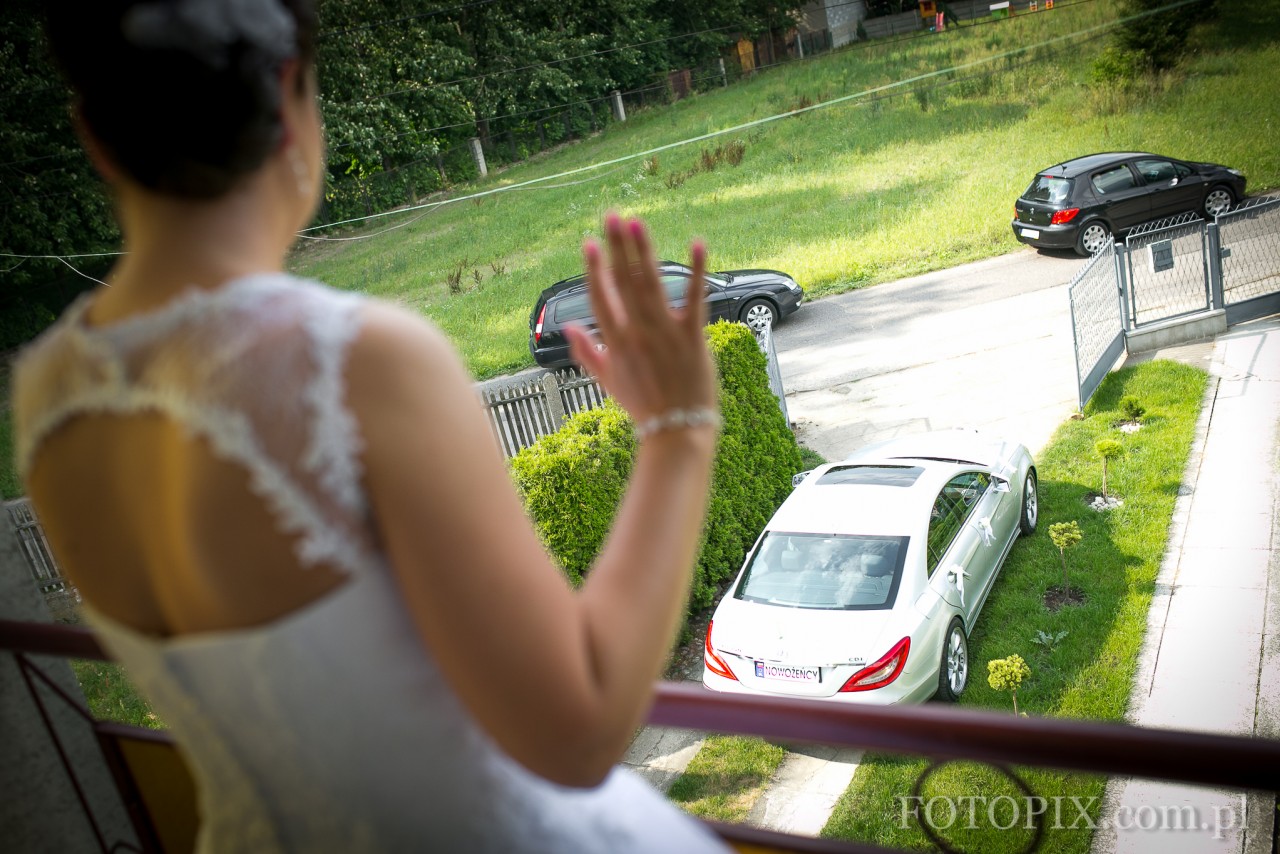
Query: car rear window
872, 475
573, 307
824, 572
1046, 188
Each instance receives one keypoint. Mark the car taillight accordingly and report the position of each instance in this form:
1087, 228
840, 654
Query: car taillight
537, 328
1060, 217
884, 671
714, 662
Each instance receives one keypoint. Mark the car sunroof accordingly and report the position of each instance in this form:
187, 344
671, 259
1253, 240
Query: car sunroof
878, 475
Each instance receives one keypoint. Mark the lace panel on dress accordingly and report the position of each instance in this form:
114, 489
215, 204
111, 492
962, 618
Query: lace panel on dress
227, 365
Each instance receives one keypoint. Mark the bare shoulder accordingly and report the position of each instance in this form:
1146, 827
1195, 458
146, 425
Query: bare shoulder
389, 332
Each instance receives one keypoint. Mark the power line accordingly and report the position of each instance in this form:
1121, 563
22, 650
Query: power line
1089, 31
863, 45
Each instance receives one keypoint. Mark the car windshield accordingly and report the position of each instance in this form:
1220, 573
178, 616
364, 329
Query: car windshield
1046, 188
824, 572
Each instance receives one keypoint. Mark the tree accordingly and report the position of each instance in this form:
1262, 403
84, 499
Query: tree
1161, 38
53, 203
1108, 450
1065, 535
1007, 674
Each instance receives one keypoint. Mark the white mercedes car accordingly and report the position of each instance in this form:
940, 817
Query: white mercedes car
865, 584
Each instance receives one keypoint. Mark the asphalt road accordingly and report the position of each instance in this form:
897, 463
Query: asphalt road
984, 345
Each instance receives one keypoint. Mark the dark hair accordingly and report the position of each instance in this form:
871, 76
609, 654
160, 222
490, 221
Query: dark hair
183, 108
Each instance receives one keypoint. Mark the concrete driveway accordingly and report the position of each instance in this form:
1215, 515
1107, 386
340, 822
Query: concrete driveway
984, 345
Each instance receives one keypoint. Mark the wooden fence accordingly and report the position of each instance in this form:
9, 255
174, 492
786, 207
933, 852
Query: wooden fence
522, 412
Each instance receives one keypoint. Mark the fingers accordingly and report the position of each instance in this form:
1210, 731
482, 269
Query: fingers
601, 290
584, 350
695, 303
634, 269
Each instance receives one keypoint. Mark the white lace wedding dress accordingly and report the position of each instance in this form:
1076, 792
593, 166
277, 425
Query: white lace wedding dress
328, 729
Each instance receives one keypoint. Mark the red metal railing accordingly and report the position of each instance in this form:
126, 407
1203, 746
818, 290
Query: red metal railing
938, 732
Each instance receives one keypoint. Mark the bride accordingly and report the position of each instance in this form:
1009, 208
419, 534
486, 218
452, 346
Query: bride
282, 503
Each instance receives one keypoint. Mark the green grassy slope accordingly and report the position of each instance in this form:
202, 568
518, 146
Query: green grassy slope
909, 179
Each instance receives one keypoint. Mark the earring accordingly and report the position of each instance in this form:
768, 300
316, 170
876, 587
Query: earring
300, 175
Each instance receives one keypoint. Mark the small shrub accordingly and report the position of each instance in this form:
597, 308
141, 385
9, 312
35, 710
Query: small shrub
650, 166
734, 151
1132, 408
454, 278
1007, 674
675, 180
1065, 535
803, 102
497, 268
477, 277
1108, 450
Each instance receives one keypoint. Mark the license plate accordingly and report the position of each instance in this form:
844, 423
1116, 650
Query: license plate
786, 673
1031, 232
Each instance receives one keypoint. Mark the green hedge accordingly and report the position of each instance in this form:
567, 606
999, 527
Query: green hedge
573, 480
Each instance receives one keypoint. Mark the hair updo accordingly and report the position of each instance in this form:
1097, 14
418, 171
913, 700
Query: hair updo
183, 95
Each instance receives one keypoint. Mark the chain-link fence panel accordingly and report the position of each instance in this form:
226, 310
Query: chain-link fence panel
1096, 322
1250, 237
1166, 269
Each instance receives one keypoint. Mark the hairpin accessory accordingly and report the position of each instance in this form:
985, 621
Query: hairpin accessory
678, 419
208, 28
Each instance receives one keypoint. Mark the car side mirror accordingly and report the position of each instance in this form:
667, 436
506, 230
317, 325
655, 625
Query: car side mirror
999, 484
798, 478
1174, 182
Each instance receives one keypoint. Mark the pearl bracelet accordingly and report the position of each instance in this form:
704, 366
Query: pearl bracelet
678, 419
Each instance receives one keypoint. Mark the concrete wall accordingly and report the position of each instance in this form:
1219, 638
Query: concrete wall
39, 810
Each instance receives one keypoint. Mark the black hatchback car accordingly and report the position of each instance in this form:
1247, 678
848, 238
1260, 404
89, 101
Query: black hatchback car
1079, 204
757, 298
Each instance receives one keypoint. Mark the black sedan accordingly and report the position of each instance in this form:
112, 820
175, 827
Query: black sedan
1079, 204
757, 298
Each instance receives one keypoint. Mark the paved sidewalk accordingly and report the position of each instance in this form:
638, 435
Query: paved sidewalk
1211, 657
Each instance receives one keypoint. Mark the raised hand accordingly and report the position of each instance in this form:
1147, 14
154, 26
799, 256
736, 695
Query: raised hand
654, 361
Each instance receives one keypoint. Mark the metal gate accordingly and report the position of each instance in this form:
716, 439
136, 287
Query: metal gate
1249, 237
1164, 266
1097, 320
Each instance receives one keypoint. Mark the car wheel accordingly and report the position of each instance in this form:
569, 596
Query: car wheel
758, 314
953, 675
1218, 202
1030, 504
1093, 238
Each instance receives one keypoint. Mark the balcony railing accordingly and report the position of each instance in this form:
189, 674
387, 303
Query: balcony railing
937, 732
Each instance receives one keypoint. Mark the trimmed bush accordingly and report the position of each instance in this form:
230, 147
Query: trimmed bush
572, 481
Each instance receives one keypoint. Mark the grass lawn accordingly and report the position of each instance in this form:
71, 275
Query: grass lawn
908, 179
726, 778
1089, 672
111, 696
